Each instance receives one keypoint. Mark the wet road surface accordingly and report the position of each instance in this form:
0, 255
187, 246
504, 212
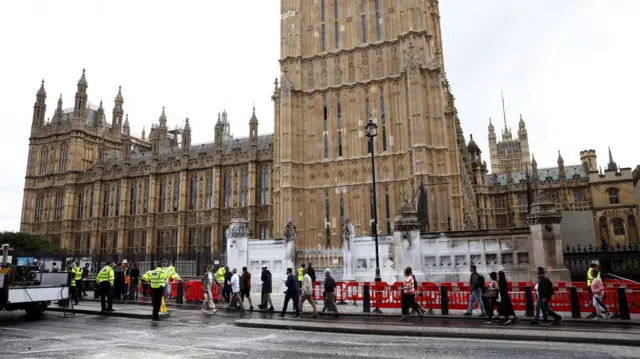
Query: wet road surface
187, 334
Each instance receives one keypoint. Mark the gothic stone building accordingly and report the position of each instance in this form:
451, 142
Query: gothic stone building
92, 185
343, 63
502, 196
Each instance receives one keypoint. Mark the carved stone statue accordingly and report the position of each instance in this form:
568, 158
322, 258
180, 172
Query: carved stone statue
289, 236
348, 233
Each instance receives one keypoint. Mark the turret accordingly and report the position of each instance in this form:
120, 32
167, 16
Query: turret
217, 133
126, 138
186, 136
534, 169
589, 161
116, 121
522, 129
561, 171
81, 98
39, 107
100, 114
253, 127
144, 133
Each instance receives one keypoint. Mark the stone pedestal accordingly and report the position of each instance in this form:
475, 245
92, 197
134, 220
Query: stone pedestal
238, 235
546, 238
406, 238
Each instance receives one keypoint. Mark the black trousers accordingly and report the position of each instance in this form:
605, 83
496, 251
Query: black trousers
156, 299
74, 294
79, 289
106, 291
296, 300
409, 300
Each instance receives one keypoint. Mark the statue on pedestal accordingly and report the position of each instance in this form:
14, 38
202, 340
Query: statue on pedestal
289, 236
348, 233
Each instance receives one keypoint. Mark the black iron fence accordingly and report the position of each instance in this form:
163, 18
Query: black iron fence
622, 261
188, 264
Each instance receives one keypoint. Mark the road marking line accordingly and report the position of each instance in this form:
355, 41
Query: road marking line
67, 348
27, 330
179, 347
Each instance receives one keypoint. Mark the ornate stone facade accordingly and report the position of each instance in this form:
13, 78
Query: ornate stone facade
91, 185
395, 77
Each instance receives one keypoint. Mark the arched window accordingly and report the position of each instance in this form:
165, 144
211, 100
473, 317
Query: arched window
632, 228
604, 229
64, 157
341, 208
44, 160
618, 226
613, 195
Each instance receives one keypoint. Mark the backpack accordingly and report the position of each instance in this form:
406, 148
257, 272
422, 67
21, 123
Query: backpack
551, 290
480, 281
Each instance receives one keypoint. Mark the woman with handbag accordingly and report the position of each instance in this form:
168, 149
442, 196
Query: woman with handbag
492, 295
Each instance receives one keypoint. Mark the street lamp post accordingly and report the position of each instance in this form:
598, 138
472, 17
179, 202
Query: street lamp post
372, 131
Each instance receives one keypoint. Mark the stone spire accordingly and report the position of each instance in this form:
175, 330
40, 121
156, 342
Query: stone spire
144, 133
58, 115
217, 132
81, 97
163, 118
100, 114
39, 107
253, 127
561, 171
125, 128
186, 136
534, 169
118, 111
611, 166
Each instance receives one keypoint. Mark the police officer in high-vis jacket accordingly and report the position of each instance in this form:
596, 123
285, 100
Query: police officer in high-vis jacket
76, 282
157, 278
105, 281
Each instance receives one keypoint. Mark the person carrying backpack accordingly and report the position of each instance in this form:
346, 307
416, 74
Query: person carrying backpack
476, 282
543, 302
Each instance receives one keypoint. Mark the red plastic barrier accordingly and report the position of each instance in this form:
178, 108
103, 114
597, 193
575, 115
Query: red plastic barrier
194, 291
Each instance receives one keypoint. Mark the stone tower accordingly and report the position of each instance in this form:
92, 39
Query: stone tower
509, 154
589, 160
343, 63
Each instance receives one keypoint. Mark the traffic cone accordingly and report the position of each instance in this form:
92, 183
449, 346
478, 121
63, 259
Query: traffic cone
163, 307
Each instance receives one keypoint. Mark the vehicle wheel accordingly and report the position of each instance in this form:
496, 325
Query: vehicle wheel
35, 310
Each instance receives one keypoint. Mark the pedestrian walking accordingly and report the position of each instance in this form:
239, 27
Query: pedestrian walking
208, 306
476, 282
245, 288
506, 307
329, 294
492, 295
266, 290
591, 274
226, 290
134, 288
157, 279
236, 299
291, 294
543, 302
597, 292
105, 281
170, 269
307, 293
300, 276
409, 295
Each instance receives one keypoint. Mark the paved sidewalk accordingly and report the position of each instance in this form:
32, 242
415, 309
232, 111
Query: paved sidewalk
121, 310
494, 333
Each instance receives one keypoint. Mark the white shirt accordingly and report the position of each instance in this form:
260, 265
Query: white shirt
210, 275
307, 285
235, 283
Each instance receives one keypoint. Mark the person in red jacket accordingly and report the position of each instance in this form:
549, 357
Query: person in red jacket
245, 288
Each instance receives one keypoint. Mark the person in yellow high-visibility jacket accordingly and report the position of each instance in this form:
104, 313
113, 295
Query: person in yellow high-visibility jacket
76, 282
170, 270
157, 278
105, 281
300, 276
219, 279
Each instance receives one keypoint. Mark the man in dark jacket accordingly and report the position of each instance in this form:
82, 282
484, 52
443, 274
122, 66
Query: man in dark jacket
291, 293
266, 289
329, 294
476, 283
226, 290
543, 302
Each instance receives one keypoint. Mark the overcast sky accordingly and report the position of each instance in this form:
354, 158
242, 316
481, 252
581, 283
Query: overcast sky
569, 66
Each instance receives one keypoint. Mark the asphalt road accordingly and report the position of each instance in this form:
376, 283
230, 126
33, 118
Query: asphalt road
192, 336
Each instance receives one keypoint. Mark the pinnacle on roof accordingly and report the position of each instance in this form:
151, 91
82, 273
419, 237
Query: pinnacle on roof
126, 121
560, 159
472, 146
611, 166
119, 95
533, 160
187, 127
41, 91
253, 115
163, 116
490, 124
83, 79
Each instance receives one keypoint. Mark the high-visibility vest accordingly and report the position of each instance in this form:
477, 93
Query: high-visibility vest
106, 274
127, 276
156, 277
73, 282
300, 276
590, 277
77, 273
220, 275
